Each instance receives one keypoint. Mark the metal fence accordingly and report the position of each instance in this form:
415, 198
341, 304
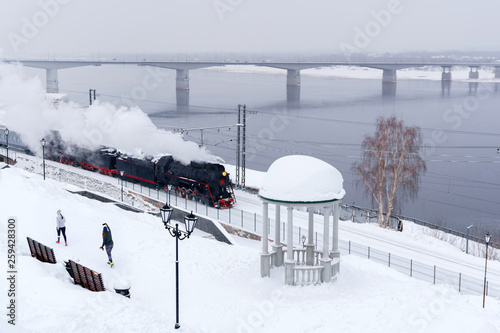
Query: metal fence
366, 215
363, 215
430, 273
247, 222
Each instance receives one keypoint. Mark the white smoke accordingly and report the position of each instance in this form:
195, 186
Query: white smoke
26, 110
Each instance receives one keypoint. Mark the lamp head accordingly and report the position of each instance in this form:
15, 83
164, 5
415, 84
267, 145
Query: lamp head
42, 142
6, 131
166, 213
190, 222
487, 238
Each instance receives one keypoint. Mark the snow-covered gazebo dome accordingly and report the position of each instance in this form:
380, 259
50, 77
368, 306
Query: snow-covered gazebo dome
302, 181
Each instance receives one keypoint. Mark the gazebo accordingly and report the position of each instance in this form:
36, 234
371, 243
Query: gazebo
301, 181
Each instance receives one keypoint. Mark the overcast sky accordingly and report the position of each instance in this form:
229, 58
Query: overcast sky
86, 28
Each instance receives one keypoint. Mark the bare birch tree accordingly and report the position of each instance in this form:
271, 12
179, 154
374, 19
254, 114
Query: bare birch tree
391, 166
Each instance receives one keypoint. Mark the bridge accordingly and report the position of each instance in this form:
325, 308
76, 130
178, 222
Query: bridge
182, 68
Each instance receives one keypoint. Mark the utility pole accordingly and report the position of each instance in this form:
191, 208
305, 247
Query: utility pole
238, 145
243, 151
90, 95
467, 241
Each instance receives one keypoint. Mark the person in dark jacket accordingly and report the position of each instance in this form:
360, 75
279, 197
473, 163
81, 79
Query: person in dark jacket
400, 225
61, 227
107, 241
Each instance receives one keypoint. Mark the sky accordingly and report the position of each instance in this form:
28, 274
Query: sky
58, 28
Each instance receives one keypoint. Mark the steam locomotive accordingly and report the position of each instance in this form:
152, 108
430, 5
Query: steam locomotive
206, 182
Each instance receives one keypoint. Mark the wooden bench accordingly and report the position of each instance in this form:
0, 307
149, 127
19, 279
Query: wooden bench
41, 252
84, 276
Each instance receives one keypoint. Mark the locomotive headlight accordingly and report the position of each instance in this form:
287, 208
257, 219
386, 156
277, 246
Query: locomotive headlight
224, 173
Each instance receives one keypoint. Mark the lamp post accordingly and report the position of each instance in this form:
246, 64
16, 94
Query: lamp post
190, 222
7, 138
467, 242
121, 174
303, 238
43, 156
487, 239
169, 188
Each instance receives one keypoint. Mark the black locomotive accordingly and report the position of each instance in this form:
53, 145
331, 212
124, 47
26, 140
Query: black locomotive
203, 181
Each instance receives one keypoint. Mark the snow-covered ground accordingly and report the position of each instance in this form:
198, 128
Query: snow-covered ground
220, 285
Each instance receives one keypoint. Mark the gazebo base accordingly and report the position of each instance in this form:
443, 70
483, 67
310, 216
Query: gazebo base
301, 275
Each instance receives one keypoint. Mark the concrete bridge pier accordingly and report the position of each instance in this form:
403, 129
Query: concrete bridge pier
182, 98
474, 73
473, 88
52, 80
389, 75
182, 79
293, 77
446, 75
497, 72
293, 96
445, 87
389, 89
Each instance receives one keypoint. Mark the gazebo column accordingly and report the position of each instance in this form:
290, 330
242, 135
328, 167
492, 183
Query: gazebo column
278, 247
326, 261
265, 264
289, 262
335, 253
310, 240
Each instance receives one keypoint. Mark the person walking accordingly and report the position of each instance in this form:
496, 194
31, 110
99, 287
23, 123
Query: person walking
61, 227
107, 241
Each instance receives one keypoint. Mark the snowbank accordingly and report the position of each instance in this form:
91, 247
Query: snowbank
354, 72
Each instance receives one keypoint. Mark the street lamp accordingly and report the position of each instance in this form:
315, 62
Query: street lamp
43, 156
169, 188
121, 174
467, 242
190, 223
7, 138
303, 238
487, 239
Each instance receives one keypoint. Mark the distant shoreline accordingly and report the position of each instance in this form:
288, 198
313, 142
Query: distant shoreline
432, 73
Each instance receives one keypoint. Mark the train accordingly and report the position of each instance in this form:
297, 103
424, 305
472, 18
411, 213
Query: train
206, 182
15, 141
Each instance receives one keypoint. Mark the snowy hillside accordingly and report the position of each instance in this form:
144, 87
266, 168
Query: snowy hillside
221, 290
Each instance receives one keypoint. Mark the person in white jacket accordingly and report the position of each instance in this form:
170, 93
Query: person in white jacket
61, 227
